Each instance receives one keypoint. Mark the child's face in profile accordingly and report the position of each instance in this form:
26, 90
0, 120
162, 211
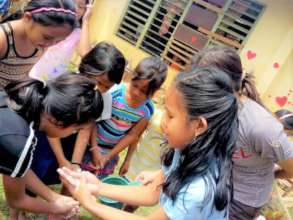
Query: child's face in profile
103, 82
138, 90
176, 125
54, 129
44, 36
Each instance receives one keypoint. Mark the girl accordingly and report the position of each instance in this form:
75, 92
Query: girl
104, 65
56, 60
200, 125
44, 23
131, 110
261, 142
58, 108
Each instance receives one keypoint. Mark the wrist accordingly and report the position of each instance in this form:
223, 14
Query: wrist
53, 197
98, 189
90, 205
62, 161
75, 163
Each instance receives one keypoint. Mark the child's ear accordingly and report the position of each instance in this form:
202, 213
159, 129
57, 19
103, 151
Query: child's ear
200, 125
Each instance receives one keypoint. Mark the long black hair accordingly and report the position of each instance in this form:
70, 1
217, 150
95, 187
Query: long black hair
69, 99
207, 93
50, 17
227, 59
152, 69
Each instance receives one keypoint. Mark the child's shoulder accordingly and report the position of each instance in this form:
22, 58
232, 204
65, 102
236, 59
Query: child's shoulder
148, 107
117, 88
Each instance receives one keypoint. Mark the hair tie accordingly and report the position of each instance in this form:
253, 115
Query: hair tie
44, 9
286, 116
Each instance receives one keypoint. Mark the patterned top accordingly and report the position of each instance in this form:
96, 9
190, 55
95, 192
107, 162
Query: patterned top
123, 118
12, 65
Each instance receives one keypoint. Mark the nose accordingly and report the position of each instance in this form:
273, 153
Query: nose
136, 92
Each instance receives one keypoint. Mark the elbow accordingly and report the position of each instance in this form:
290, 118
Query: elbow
152, 202
153, 199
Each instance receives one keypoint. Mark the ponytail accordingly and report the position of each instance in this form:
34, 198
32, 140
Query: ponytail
248, 88
69, 99
227, 60
26, 98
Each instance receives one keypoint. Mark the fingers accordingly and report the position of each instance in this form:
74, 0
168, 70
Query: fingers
68, 180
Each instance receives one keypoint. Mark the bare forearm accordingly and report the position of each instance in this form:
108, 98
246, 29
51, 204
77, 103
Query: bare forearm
80, 145
130, 151
93, 137
17, 198
34, 184
109, 213
31, 204
56, 146
133, 195
84, 44
123, 143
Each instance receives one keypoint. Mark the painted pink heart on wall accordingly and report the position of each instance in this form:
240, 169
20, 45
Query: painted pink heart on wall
193, 39
250, 55
281, 101
276, 65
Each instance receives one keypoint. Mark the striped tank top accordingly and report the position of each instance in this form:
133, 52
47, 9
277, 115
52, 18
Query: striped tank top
124, 117
12, 65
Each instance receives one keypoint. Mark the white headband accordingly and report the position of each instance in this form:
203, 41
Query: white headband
286, 116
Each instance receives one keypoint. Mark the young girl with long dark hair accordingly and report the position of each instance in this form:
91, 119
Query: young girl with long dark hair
261, 144
25, 35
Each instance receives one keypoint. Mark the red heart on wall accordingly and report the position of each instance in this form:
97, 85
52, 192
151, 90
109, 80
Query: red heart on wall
250, 55
193, 39
276, 65
281, 101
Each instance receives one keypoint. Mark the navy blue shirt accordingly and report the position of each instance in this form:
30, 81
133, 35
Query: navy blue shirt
17, 141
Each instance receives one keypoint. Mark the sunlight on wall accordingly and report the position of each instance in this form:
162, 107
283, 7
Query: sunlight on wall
267, 52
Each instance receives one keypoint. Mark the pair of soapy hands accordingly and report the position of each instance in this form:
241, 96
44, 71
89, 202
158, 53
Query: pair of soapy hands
85, 186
